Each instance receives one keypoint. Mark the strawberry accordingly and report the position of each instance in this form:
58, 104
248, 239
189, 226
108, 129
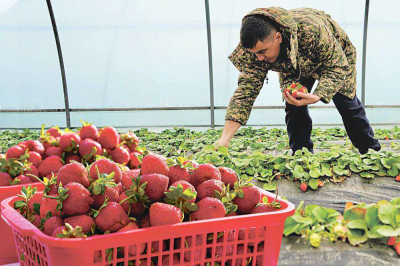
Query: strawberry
51, 224
193, 163
34, 145
181, 197
179, 169
294, 93
111, 193
293, 85
131, 140
127, 176
46, 139
163, 214
303, 187
14, 152
145, 222
111, 218
208, 208
132, 248
5, 179
50, 151
231, 214
34, 158
89, 148
203, 173
154, 163
37, 198
49, 205
157, 184
58, 230
228, 176
68, 231
391, 241
31, 170
303, 90
104, 187
188, 244
136, 209
35, 220
23, 179
320, 183
108, 137
397, 247
135, 160
120, 155
84, 221
88, 131
73, 172
208, 188
251, 197
50, 165
228, 248
397, 178
175, 260
54, 131
386, 138
185, 185
72, 157
105, 166
69, 141
78, 199
286, 90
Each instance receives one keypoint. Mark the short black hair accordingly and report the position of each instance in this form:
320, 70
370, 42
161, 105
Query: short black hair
255, 28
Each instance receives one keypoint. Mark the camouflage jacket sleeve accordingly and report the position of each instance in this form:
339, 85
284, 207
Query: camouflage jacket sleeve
250, 82
334, 65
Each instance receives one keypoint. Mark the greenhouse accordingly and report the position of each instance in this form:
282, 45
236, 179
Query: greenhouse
206, 132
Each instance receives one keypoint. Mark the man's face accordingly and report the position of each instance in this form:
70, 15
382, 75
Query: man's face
268, 49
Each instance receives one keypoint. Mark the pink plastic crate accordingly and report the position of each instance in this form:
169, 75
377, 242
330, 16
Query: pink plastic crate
8, 252
36, 248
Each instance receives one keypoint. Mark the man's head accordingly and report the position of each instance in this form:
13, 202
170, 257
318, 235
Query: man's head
260, 35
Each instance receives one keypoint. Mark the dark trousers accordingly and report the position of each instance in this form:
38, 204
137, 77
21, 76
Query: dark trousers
299, 123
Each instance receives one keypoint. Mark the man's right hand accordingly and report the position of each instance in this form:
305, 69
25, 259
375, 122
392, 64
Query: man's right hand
229, 131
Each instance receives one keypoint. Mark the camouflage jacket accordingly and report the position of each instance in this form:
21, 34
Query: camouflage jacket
318, 47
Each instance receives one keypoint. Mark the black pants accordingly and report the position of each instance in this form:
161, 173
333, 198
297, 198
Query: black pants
299, 123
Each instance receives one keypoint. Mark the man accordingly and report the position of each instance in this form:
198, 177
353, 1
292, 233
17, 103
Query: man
303, 45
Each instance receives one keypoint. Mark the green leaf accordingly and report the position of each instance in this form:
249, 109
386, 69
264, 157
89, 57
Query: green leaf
387, 214
315, 173
354, 213
357, 236
313, 183
270, 186
371, 217
208, 149
387, 230
357, 224
320, 214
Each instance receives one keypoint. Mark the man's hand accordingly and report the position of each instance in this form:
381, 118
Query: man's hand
306, 99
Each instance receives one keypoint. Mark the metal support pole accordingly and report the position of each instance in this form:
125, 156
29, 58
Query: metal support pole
364, 55
210, 64
64, 80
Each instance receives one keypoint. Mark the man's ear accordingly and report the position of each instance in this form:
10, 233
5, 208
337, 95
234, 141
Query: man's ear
278, 37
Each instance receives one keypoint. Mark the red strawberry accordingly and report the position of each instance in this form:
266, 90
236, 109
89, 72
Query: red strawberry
51, 224
34, 145
175, 260
73, 157
303, 90
23, 179
78, 200
54, 131
293, 85
157, 184
303, 187
105, 166
112, 218
251, 198
120, 155
228, 176
320, 183
108, 137
294, 93
208, 208
89, 148
50, 151
154, 163
134, 160
208, 188
286, 90
132, 248
84, 221
231, 214
109, 192
131, 140
73, 172
69, 141
5, 179
145, 222
397, 247
391, 241
37, 198
58, 230
263, 207
177, 173
88, 131
137, 208
205, 172
34, 158
193, 163
36, 220
185, 185
15, 152
397, 178
127, 177
162, 214
31, 170
386, 138
50, 165
49, 205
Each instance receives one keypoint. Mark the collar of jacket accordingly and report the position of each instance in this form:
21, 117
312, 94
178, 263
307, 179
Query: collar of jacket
286, 21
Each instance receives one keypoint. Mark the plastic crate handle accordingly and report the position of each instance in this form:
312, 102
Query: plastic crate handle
15, 219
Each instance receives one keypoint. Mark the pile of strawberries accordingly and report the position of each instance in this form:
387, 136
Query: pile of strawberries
294, 88
55, 148
104, 197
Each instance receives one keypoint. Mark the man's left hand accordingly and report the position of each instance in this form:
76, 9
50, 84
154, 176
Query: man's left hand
305, 99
